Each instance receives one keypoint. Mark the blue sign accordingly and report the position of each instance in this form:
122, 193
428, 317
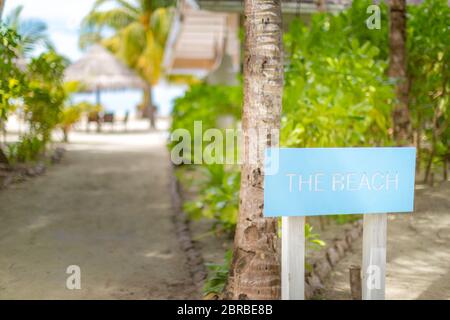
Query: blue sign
321, 181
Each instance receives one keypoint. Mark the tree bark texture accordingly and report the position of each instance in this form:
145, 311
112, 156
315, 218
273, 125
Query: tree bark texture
255, 268
398, 70
149, 109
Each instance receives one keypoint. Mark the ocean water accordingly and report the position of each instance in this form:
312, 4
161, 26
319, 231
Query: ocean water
121, 101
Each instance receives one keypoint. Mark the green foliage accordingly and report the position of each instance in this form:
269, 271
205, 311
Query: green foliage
217, 275
329, 33
27, 149
352, 24
11, 85
312, 239
336, 93
46, 95
219, 198
33, 32
204, 102
345, 218
42, 95
38, 90
72, 113
136, 31
428, 42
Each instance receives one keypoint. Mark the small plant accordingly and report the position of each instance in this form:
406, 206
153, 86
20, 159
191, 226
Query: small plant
218, 199
217, 276
27, 149
312, 239
345, 218
71, 114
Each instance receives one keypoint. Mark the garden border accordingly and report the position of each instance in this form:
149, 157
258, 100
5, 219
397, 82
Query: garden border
314, 280
21, 172
193, 255
322, 266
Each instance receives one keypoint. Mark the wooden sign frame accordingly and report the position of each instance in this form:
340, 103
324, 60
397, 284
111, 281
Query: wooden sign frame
281, 165
373, 257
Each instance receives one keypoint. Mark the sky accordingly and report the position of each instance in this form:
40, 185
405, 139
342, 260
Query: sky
63, 18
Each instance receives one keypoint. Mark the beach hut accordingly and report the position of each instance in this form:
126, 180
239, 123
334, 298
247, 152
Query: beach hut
99, 70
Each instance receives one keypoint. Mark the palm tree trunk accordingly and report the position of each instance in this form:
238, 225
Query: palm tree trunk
149, 111
321, 5
255, 268
397, 70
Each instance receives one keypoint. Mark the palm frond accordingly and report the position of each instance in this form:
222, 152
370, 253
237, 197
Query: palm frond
149, 63
133, 43
160, 24
115, 19
33, 32
140, 32
96, 22
88, 37
150, 6
12, 20
132, 6
112, 44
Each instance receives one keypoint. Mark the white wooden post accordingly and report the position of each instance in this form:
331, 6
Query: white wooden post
374, 256
293, 258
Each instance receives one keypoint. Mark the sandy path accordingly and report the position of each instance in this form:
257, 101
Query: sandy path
105, 208
418, 252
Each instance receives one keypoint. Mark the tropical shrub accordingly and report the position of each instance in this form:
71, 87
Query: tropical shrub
205, 104
12, 83
41, 96
217, 275
68, 117
219, 198
312, 239
46, 95
340, 97
71, 112
27, 149
428, 75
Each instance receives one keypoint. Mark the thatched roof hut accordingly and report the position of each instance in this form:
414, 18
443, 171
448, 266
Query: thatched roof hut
101, 70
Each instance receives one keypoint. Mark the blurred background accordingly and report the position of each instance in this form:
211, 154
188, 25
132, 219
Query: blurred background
92, 89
